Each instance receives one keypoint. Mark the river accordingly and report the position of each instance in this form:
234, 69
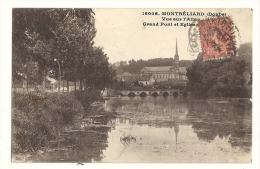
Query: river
161, 129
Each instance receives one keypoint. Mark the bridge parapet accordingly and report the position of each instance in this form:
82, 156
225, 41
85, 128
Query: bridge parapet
150, 92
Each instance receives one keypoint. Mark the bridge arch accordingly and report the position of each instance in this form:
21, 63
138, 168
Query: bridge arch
175, 94
165, 93
120, 94
155, 94
131, 94
143, 94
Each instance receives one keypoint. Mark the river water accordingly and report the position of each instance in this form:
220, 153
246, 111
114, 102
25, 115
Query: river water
160, 129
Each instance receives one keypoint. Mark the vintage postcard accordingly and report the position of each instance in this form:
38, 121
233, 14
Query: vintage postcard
166, 85
131, 85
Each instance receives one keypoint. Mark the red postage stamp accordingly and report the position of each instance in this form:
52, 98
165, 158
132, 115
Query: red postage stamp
217, 38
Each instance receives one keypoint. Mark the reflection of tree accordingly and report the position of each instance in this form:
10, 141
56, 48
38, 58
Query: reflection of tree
89, 146
112, 105
91, 143
83, 146
211, 119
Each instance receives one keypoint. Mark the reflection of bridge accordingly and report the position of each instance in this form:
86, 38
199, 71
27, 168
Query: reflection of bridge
166, 92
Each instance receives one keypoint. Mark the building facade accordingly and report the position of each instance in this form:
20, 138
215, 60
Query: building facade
146, 80
166, 73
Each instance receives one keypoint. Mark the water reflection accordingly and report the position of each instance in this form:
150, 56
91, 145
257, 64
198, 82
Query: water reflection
226, 119
84, 145
223, 119
160, 129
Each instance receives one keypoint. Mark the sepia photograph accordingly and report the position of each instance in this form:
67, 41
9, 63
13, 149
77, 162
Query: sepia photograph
124, 84
95, 85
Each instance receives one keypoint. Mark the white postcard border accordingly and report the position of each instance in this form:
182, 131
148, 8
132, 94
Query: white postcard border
5, 70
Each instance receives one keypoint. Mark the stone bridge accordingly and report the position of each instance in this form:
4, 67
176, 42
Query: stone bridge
144, 93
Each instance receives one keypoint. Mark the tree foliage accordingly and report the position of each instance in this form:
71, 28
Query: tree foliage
222, 78
135, 66
86, 98
67, 35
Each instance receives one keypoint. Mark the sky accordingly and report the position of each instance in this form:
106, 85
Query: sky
123, 37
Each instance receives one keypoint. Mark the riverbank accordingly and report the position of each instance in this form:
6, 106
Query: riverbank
38, 118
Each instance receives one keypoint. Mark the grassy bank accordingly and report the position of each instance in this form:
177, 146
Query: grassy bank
37, 118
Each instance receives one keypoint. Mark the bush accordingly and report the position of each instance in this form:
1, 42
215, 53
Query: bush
136, 83
86, 97
167, 83
38, 117
160, 87
180, 87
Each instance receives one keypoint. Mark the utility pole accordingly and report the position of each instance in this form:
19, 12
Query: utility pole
43, 85
55, 60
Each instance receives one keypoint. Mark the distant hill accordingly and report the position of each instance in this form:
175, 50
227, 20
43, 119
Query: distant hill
135, 66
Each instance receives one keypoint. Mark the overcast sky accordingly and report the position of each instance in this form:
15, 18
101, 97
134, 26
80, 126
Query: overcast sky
122, 35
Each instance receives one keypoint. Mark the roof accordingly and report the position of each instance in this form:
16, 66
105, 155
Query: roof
164, 69
158, 69
145, 78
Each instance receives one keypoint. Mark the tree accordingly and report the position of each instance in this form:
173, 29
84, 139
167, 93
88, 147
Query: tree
74, 43
137, 83
221, 79
41, 36
31, 26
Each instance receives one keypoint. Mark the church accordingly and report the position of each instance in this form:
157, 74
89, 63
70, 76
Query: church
167, 73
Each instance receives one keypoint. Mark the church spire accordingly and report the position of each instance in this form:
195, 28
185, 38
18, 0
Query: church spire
176, 57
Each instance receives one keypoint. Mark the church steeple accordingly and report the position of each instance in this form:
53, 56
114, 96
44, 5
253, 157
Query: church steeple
176, 57
176, 63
